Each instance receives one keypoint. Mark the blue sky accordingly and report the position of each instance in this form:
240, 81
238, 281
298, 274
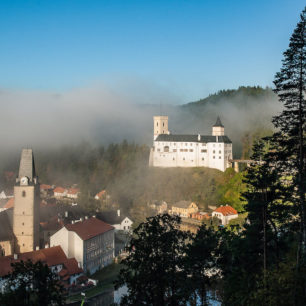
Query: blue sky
192, 48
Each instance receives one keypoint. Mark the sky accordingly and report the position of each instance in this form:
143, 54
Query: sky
189, 48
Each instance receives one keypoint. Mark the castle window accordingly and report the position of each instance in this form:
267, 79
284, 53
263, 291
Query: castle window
183, 158
23, 193
202, 158
203, 151
166, 149
219, 151
156, 123
181, 150
22, 223
214, 151
163, 124
174, 150
185, 150
158, 150
21, 233
190, 150
219, 157
173, 158
213, 157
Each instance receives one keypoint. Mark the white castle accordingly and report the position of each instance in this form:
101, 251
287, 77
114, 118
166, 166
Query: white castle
212, 151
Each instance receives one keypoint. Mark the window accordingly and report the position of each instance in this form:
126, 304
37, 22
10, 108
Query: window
203, 151
166, 149
22, 223
23, 193
202, 158
219, 157
163, 124
214, 151
185, 150
203, 144
173, 158
156, 123
219, 151
158, 150
21, 233
181, 150
190, 150
213, 157
183, 158
174, 150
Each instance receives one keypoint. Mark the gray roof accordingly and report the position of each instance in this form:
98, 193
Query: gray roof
27, 166
111, 217
182, 204
6, 221
192, 138
218, 122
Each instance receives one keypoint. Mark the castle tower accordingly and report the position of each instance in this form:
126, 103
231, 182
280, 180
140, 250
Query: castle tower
218, 128
26, 205
160, 125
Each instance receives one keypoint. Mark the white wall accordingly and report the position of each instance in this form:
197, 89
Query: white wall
192, 154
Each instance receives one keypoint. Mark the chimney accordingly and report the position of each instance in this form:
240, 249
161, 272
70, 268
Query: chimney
118, 212
15, 256
86, 217
217, 138
72, 221
81, 219
199, 137
37, 248
66, 214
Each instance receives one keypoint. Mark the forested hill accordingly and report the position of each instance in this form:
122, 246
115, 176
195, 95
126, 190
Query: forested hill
239, 97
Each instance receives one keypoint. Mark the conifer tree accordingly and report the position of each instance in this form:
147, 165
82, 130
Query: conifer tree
290, 140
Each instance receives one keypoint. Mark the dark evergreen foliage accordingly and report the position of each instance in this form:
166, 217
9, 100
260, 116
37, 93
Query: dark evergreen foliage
32, 284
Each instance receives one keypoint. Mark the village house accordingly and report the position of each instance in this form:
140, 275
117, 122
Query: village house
183, 209
116, 219
100, 195
159, 206
225, 214
45, 189
73, 193
66, 268
90, 242
59, 192
200, 216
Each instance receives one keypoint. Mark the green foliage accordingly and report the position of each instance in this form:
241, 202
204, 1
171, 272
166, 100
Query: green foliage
154, 270
32, 284
232, 188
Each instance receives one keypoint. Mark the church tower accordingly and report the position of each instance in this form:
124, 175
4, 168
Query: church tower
160, 125
218, 128
26, 205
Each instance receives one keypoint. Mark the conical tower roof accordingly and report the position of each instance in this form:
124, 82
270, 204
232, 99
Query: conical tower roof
218, 122
27, 166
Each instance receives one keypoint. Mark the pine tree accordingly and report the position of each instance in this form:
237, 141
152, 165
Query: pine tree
290, 85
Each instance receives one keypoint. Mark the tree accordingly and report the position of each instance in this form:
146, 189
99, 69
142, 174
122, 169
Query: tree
154, 271
201, 261
31, 284
290, 86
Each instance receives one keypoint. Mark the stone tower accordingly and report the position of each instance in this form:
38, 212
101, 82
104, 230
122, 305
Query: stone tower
26, 205
218, 128
160, 125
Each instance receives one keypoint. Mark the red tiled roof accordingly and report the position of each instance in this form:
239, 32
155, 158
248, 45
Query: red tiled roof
72, 266
45, 187
226, 210
51, 256
73, 191
9, 203
59, 190
89, 228
52, 225
100, 194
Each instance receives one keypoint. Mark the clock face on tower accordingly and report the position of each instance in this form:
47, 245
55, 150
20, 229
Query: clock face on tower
24, 181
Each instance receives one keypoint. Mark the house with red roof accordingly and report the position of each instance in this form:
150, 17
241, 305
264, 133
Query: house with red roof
100, 195
73, 193
225, 214
68, 269
59, 192
90, 242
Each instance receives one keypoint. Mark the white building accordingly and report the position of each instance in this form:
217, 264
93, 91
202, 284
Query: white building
115, 218
90, 242
169, 150
225, 214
